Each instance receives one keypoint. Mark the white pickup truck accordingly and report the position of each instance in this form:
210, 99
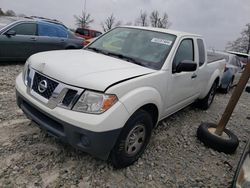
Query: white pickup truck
107, 98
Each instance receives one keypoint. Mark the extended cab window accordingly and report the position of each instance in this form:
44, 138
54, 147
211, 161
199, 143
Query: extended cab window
25, 29
202, 53
184, 52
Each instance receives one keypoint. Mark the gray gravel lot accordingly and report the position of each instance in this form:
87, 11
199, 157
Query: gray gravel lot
174, 158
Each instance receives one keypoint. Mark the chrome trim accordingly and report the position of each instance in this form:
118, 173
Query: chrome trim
58, 94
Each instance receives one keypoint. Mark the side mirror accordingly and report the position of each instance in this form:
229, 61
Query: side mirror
10, 33
186, 66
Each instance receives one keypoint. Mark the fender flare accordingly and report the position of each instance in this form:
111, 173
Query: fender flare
140, 97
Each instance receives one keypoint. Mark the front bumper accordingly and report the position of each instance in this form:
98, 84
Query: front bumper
98, 144
94, 134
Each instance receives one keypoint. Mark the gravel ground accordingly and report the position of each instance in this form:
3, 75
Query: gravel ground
174, 157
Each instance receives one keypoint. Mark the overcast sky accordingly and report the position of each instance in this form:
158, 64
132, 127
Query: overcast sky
219, 21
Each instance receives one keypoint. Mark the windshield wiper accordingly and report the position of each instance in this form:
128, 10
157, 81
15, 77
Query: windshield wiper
97, 50
129, 59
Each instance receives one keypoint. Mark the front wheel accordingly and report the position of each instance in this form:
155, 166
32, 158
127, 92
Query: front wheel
133, 140
205, 103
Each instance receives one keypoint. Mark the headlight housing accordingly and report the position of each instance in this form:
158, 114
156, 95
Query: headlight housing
94, 102
26, 73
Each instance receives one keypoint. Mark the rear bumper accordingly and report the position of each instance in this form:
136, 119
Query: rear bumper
98, 144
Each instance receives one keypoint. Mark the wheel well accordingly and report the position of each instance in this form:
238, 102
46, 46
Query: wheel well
153, 111
217, 80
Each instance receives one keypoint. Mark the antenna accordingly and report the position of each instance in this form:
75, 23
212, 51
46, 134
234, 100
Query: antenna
84, 7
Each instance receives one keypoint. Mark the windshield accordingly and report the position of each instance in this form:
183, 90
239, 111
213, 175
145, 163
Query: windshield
143, 47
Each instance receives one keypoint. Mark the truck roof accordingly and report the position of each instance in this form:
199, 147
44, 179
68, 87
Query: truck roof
163, 30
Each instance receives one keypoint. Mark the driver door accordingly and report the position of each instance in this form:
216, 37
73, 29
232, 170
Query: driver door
182, 87
19, 46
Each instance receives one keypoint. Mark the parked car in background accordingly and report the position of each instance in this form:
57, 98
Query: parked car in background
107, 100
87, 34
244, 58
88, 41
22, 37
232, 71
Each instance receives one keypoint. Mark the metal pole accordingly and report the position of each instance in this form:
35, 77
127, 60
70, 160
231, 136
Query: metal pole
84, 8
233, 100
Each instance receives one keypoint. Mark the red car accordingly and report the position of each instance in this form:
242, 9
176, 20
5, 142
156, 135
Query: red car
87, 34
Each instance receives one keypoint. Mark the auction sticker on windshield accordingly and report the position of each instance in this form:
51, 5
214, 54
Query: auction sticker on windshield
161, 41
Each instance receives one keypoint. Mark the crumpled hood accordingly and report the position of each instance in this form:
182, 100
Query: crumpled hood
86, 69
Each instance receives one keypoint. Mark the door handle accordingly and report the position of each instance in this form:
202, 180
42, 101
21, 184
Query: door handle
193, 76
33, 38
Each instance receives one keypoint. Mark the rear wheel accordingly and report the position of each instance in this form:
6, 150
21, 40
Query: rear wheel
133, 140
205, 103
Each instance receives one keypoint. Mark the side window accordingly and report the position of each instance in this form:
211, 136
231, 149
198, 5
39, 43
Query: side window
61, 32
86, 32
184, 52
202, 53
25, 29
93, 34
98, 34
51, 30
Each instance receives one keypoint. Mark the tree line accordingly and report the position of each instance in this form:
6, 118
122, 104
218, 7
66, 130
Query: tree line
154, 19
7, 13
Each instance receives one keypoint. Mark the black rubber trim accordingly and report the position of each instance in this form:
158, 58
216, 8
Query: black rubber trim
99, 144
124, 81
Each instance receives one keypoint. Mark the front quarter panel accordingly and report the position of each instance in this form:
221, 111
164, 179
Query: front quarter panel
148, 89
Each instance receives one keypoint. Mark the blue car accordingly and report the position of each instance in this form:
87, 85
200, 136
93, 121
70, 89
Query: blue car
232, 71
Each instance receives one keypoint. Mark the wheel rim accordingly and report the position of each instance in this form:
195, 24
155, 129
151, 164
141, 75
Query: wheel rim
211, 96
135, 140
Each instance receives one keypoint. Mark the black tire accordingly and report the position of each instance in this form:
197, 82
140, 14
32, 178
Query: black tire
220, 144
119, 157
205, 103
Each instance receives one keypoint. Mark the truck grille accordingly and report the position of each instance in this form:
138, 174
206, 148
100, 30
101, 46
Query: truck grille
70, 95
50, 92
51, 85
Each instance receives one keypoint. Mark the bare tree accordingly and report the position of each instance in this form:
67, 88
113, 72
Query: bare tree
154, 18
84, 20
241, 44
164, 21
10, 13
157, 21
109, 23
1, 12
143, 19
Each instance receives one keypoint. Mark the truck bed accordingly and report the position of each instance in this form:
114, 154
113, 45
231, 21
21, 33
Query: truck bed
213, 56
